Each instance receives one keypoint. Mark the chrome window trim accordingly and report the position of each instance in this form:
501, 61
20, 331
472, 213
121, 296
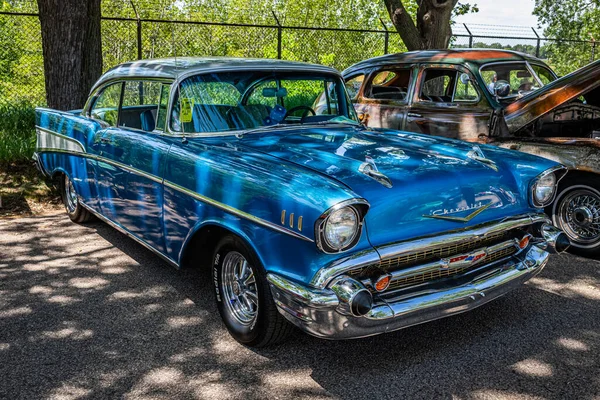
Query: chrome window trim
197, 196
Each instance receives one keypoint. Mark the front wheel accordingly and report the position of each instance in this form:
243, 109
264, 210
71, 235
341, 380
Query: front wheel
243, 296
70, 198
576, 212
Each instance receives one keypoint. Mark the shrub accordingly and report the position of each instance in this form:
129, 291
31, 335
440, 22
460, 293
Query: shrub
17, 132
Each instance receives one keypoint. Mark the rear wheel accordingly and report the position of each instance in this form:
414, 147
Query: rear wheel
243, 296
70, 198
576, 212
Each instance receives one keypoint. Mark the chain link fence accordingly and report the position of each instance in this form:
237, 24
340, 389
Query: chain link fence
126, 39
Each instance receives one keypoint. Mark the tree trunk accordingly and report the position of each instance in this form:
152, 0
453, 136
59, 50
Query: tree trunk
72, 49
432, 30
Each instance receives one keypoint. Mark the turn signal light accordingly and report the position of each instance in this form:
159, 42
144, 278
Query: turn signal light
382, 282
524, 242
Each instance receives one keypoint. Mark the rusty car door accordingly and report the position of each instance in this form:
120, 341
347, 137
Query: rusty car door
444, 105
383, 99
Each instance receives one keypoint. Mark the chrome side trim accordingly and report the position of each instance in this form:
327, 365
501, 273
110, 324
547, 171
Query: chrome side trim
124, 231
197, 196
374, 256
236, 212
47, 139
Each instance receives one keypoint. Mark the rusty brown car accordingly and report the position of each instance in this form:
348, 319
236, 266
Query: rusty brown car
504, 98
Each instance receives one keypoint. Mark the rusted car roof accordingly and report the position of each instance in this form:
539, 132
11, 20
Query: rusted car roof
477, 57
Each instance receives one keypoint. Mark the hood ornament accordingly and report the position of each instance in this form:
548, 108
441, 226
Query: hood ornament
476, 154
370, 169
478, 209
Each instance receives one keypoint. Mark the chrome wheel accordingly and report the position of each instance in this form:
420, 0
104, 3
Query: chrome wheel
239, 288
579, 216
71, 200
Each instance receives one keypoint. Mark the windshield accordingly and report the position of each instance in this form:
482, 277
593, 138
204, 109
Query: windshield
232, 101
519, 76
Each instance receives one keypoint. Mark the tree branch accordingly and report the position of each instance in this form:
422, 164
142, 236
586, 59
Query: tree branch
404, 24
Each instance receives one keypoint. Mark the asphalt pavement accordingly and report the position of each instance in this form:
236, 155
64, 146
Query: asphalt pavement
85, 312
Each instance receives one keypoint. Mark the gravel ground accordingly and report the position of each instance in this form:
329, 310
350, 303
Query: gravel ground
86, 312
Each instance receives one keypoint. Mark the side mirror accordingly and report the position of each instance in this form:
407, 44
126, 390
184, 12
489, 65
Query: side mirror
501, 88
464, 78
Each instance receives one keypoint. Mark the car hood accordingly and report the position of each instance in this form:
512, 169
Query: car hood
583, 82
415, 181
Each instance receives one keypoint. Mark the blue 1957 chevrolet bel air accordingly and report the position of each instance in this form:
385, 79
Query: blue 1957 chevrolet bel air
260, 170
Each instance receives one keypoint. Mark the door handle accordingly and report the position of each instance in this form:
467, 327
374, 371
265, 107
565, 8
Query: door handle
105, 140
414, 115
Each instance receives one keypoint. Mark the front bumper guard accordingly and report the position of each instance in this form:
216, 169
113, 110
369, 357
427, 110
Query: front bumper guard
316, 311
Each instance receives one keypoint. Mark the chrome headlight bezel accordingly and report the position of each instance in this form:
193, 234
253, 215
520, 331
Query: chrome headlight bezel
549, 179
357, 206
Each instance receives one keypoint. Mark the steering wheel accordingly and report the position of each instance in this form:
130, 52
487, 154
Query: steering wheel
306, 109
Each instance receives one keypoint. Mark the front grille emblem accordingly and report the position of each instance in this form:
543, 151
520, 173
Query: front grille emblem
464, 260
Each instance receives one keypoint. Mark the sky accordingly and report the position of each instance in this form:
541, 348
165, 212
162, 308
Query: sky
501, 12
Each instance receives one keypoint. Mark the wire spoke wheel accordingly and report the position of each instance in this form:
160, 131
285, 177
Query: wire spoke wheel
239, 288
579, 216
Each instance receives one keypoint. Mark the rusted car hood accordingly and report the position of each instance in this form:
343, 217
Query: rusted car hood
583, 82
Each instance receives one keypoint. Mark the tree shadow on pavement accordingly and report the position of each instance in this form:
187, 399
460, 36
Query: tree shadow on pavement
86, 312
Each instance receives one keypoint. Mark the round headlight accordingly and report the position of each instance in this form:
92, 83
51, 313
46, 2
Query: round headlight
544, 188
341, 228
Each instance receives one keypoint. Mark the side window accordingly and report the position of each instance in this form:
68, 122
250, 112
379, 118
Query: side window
353, 86
390, 85
106, 106
543, 73
161, 116
438, 85
465, 92
140, 105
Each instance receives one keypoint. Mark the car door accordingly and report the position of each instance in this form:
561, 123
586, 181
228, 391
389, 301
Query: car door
448, 102
111, 178
141, 149
383, 100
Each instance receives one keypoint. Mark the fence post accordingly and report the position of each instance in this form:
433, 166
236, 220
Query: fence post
279, 32
470, 36
139, 31
593, 50
386, 42
537, 47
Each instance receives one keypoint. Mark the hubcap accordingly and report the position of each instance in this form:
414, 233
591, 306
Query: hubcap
239, 288
579, 216
70, 195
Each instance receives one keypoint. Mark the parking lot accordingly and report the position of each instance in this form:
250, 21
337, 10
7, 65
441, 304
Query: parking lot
85, 312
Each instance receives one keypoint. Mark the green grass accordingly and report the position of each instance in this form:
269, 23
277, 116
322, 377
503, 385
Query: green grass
17, 132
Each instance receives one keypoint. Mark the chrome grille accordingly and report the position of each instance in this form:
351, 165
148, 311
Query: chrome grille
421, 257
444, 273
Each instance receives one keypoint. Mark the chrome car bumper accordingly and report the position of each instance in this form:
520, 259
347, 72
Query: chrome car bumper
39, 165
322, 312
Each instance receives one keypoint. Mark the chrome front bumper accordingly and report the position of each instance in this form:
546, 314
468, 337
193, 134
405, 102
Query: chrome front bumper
318, 312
